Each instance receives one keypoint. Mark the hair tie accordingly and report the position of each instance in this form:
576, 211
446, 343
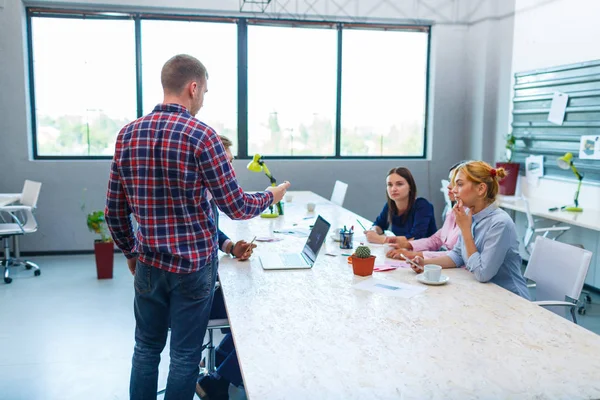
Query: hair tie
493, 172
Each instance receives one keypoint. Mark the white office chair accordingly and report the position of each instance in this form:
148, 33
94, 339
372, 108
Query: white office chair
18, 220
339, 193
444, 190
559, 271
531, 229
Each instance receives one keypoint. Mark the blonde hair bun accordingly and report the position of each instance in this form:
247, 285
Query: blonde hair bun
501, 173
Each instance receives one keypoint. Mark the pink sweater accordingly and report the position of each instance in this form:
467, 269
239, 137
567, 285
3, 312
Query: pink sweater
446, 237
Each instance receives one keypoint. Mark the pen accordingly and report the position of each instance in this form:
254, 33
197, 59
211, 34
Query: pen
346, 255
361, 225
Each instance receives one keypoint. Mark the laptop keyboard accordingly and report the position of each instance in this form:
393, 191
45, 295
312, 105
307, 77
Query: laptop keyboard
292, 260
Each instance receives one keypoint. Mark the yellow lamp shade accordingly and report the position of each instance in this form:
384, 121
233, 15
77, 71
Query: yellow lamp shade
565, 161
255, 165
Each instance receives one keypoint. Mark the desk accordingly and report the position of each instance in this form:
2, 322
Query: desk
6, 199
589, 218
307, 334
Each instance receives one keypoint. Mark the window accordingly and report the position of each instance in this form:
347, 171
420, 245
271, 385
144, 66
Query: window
215, 45
278, 88
85, 88
384, 83
292, 75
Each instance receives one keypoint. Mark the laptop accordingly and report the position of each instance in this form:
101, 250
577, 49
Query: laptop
303, 260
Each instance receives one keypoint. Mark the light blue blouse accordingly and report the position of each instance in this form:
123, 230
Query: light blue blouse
497, 258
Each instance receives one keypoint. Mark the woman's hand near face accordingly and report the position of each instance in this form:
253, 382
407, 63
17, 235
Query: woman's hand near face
463, 220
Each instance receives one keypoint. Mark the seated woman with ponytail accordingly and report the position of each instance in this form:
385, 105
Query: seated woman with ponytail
488, 244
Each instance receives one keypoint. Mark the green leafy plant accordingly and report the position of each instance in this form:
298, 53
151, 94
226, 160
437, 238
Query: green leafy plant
362, 252
510, 146
97, 224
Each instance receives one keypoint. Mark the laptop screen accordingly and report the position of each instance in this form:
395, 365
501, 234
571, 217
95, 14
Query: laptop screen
315, 240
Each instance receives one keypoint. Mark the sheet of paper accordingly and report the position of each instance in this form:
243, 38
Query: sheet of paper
389, 288
268, 239
589, 147
389, 265
534, 169
558, 108
294, 231
396, 263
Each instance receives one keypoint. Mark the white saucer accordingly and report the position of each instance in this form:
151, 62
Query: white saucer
335, 237
443, 280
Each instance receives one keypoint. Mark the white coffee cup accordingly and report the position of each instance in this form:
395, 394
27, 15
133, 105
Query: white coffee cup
432, 273
310, 207
288, 198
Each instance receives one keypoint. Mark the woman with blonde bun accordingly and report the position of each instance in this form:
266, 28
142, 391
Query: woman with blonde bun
488, 244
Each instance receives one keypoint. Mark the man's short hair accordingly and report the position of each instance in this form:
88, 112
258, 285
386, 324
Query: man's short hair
227, 143
181, 70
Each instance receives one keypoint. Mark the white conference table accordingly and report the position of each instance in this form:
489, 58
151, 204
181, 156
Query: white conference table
589, 218
308, 334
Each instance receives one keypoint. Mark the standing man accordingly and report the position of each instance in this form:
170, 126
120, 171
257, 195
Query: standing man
164, 166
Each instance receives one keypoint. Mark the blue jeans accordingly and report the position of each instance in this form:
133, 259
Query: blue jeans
183, 302
228, 366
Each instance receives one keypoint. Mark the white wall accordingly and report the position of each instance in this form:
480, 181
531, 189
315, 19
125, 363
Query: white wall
548, 34
62, 224
489, 44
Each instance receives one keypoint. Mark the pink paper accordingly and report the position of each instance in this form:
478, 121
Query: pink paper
383, 267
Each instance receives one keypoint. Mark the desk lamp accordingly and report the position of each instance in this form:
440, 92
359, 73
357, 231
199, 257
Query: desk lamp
258, 165
566, 162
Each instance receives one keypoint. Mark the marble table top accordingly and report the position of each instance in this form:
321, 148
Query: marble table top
308, 334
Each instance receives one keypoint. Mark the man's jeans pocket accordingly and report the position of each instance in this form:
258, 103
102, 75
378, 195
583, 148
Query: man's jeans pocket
142, 280
197, 285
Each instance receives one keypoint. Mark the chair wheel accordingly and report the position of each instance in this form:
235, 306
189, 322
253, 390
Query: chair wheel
588, 298
7, 280
581, 311
27, 266
37, 272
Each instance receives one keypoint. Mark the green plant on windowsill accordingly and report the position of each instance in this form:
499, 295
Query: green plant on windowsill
97, 224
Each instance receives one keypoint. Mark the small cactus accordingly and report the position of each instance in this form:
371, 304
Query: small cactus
362, 252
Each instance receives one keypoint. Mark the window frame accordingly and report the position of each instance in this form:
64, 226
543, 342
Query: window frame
242, 64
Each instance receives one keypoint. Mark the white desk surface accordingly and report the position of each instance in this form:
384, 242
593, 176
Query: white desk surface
307, 334
589, 218
8, 198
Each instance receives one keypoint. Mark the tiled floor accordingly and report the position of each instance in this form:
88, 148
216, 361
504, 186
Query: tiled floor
66, 335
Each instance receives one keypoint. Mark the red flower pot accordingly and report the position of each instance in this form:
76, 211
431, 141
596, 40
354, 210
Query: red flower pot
363, 266
508, 185
104, 252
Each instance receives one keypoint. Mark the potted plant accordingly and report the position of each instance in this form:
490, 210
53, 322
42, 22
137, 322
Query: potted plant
362, 261
103, 247
508, 185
